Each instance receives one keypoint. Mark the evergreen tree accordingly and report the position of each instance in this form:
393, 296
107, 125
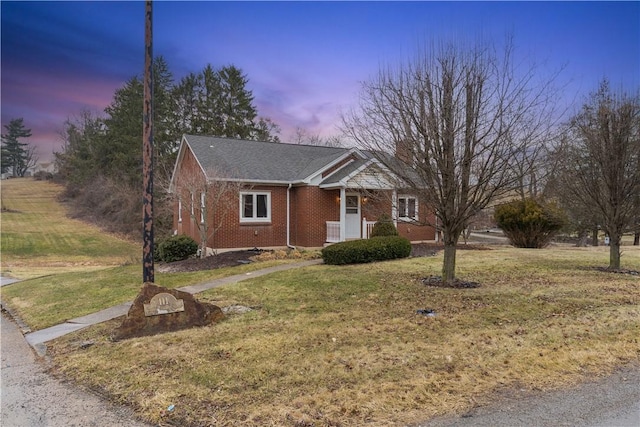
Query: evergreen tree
237, 110
218, 103
102, 158
17, 156
185, 105
266, 130
208, 120
121, 150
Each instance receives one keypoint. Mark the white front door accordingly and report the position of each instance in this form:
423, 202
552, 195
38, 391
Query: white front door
352, 224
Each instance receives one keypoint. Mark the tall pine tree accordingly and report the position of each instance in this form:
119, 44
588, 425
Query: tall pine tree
17, 156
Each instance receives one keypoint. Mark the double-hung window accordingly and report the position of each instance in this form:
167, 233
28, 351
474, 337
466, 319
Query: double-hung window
255, 206
407, 208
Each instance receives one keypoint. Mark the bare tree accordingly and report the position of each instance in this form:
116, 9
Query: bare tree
602, 170
30, 160
209, 201
455, 117
583, 219
303, 137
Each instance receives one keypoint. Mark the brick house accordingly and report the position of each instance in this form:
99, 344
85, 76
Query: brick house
265, 195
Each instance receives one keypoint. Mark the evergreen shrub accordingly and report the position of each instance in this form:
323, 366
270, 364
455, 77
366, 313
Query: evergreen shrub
175, 248
384, 227
367, 250
529, 223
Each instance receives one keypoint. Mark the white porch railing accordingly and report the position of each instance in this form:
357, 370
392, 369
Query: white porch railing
367, 226
333, 231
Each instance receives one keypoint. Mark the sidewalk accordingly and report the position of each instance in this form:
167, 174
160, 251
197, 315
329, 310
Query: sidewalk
38, 338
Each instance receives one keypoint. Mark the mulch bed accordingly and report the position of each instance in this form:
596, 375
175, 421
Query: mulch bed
224, 259
235, 258
437, 282
618, 271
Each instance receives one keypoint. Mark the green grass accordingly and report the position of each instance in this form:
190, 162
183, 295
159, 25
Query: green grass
39, 239
46, 301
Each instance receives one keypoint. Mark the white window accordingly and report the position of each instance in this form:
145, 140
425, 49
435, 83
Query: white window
407, 208
191, 194
179, 210
255, 207
202, 201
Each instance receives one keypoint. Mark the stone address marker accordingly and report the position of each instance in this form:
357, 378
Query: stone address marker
163, 303
157, 309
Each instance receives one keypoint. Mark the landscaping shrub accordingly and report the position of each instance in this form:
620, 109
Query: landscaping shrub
384, 227
43, 176
368, 250
529, 223
175, 248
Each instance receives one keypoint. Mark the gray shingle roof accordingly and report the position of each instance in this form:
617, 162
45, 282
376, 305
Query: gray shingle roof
260, 161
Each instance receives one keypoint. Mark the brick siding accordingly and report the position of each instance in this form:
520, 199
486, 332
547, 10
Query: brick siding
311, 207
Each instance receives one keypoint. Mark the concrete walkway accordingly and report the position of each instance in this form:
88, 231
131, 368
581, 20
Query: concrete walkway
38, 338
7, 280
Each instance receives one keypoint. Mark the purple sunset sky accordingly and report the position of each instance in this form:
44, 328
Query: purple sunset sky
304, 60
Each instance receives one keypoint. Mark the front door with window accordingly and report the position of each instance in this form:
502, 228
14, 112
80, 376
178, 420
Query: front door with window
352, 225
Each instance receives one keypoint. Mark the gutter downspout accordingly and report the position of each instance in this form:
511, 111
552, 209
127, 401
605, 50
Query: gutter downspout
343, 214
289, 217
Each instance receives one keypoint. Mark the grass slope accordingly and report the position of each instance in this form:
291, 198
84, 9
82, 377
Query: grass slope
38, 239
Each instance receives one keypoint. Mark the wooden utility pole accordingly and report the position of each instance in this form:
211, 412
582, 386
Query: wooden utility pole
147, 150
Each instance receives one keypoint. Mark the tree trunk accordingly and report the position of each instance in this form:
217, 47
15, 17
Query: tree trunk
614, 252
450, 240
449, 264
636, 239
582, 239
595, 236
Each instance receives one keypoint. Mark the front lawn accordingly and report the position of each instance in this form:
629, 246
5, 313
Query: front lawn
345, 345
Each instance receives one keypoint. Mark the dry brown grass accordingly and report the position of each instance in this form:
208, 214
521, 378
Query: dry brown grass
343, 346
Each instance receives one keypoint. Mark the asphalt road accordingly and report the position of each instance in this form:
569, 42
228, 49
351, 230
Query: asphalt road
30, 397
613, 401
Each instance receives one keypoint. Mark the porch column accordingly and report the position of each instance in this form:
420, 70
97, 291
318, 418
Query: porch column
343, 214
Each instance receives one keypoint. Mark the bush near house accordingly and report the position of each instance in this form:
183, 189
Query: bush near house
529, 223
43, 176
175, 248
369, 250
384, 227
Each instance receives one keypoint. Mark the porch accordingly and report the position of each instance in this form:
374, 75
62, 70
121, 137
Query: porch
334, 233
